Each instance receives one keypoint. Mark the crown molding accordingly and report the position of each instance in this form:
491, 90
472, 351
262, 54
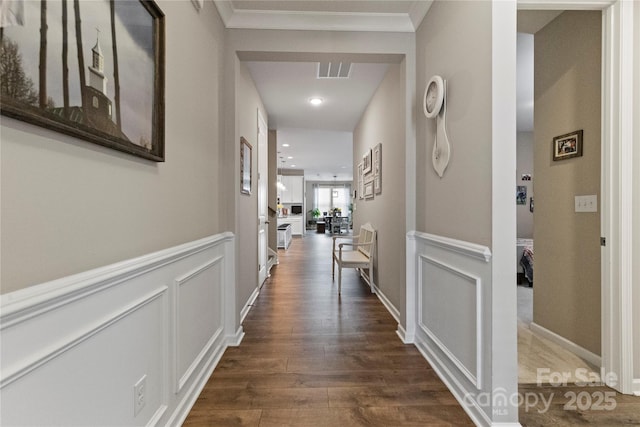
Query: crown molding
564, 4
322, 21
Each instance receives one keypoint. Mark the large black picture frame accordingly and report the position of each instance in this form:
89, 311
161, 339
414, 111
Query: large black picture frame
112, 94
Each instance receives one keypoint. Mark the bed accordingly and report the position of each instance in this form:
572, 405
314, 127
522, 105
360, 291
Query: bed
525, 260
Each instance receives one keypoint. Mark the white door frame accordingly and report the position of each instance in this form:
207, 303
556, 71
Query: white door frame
616, 182
263, 225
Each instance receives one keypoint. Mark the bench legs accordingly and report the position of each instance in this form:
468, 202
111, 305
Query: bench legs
333, 268
339, 280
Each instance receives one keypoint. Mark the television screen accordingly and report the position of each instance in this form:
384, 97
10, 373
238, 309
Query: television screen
296, 209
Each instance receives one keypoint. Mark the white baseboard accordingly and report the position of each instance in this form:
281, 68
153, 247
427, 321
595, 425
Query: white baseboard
404, 337
470, 406
388, 305
183, 409
574, 348
249, 304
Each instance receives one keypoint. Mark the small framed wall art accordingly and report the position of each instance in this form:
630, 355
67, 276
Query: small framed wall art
245, 166
367, 164
567, 146
377, 168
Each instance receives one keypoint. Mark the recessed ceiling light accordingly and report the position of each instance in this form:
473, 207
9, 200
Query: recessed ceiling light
285, 145
290, 157
293, 166
316, 101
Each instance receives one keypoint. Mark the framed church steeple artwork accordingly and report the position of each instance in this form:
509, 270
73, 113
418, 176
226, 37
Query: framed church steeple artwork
93, 70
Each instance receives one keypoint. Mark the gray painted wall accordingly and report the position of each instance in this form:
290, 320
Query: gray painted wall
567, 281
458, 205
247, 104
383, 122
70, 205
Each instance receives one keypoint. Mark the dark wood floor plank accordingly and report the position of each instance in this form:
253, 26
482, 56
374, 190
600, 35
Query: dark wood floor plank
313, 358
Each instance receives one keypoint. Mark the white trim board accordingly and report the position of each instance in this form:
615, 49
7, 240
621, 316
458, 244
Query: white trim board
247, 307
393, 311
323, 20
574, 348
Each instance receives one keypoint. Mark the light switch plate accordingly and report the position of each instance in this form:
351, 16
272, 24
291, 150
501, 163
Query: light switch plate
587, 203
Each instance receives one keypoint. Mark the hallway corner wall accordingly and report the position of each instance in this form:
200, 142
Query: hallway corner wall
70, 205
248, 102
567, 282
462, 254
383, 122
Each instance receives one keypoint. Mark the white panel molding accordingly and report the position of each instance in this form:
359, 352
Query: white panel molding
48, 327
636, 386
467, 249
574, 348
207, 349
471, 262
36, 300
475, 379
450, 379
196, 271
192, 392
25, 366
180, 282
247, 306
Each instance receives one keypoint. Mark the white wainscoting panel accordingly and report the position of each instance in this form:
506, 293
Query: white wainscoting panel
199, 318
453, 327
72, 349
449, 315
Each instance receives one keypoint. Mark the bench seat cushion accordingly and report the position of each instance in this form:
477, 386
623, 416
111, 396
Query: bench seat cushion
352, 257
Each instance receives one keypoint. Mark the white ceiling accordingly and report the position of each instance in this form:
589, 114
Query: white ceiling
286, 87
320, 138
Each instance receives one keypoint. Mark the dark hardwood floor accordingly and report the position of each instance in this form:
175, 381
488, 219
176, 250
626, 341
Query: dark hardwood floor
313, 358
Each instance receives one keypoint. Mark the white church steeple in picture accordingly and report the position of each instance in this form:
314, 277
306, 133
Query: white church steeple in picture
96, 102
97, 79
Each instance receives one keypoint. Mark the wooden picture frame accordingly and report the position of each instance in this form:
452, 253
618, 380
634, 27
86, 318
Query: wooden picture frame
367, 164
360, 181
567, 146
112, 94
245, 166
369, 187
377, 168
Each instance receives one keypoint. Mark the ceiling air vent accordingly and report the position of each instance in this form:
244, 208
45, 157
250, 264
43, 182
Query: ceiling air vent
334, 70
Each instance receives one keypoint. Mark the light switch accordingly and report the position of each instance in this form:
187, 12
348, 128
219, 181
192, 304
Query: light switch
586, 203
